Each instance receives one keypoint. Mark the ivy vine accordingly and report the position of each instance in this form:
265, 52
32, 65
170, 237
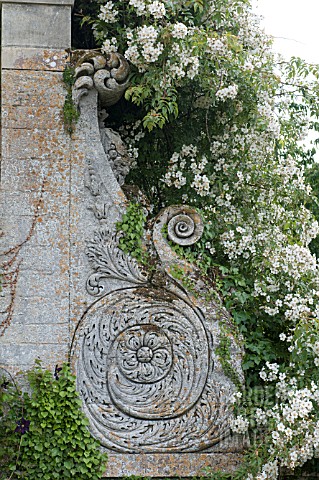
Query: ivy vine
70, 111
132, 227
44, 434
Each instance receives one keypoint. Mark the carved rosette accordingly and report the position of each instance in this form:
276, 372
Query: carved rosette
145, 374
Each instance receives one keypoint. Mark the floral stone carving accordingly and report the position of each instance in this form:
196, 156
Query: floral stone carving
144, 351
145, 373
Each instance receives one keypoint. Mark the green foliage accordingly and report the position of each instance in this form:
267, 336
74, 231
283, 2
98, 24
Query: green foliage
70, 112
161, 107
179, 273
260, 338
214, 120
68, 76
253, 398
132, 227
12, 407
234, 284
224, 355
46, 434
312, 175
82, 34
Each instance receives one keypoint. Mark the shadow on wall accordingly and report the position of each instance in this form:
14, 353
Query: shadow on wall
82, 33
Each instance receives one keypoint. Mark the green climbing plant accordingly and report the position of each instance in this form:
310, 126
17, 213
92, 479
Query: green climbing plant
44, 433
70, 111
132, 227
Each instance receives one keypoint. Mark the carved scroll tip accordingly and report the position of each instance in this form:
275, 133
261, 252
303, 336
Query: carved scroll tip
108, 74
184, 224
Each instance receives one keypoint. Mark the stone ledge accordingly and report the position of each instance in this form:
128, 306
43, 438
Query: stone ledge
41, 2
169, 464
36, 26
24, 58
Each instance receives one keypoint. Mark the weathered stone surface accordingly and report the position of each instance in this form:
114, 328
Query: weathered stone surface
36, 25
42, 2
18, 203
173, 465
37, 144
36, 117
22, 356
18, 89
109, 75
144, 351
45, 285
30, 334
144, 347
48, 260
34, 247
28, 174
41, 310
94, 194
29, 58
15, 229
145, 358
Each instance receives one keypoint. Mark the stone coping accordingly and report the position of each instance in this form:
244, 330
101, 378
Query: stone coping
41, 2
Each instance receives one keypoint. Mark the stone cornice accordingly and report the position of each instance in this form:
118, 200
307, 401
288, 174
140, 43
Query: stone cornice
42, 2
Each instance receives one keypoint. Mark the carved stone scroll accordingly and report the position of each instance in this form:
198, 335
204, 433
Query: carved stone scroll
146, 375
108, 75
144, 351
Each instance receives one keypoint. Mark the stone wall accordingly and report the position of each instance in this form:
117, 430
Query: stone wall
35, 179
66, 282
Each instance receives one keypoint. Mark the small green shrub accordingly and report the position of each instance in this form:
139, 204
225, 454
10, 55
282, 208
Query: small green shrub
132, 227
11, 417
70, 111
44, 435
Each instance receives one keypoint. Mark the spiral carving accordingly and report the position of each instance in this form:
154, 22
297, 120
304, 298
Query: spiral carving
109, 75
184, 225
183, 230
144, 371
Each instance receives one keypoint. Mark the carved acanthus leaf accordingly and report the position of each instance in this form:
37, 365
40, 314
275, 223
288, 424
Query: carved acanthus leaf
109, 262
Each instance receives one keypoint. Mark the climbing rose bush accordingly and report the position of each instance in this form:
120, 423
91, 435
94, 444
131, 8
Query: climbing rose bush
215, 119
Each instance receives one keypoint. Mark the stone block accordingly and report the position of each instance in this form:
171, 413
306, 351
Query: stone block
36, 25
18, 203
22, 144
37, 334
173, 465
15, 229
31, 284
42, 260
49, 231
24, 175
42, 2
29, 58
25, 355
41, 310
25, 88
30, 117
